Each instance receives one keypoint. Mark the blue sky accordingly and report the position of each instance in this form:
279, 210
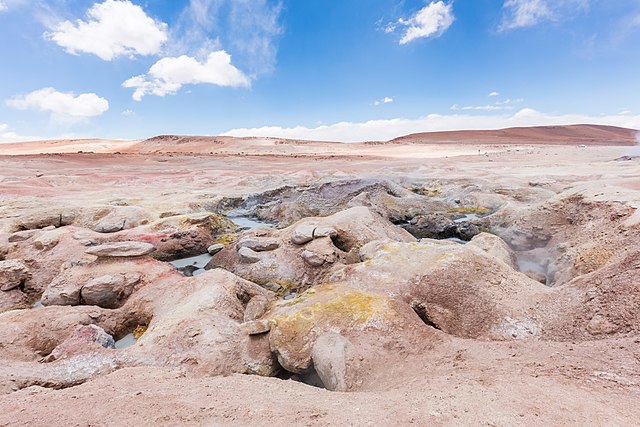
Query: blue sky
323, 69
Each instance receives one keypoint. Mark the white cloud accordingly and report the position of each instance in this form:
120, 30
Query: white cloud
507, 104
385, 100
249, 29
62, 104
11, 136
494, 94
168, 75
9, 4
113, 28
128, 113
382, 130
457, 107
527, 13
430, 21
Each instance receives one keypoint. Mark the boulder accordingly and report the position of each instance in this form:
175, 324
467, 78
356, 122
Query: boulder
214, 249
321, 231
496, 247
121, 249
255, 308
320, 252
461, 289
432, 225
13, 274
371, 320
294, 266
302, 234
109, 291
248, 256
330, 354
84, 339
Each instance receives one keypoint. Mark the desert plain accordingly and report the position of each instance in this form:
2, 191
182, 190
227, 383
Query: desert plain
480, 278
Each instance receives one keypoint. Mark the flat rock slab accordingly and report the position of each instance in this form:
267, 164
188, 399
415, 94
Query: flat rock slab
121, 249
258, 244
256, 327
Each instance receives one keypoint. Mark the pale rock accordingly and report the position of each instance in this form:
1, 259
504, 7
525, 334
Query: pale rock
109, 291
256, 307
256, 327
121, 249
49, 239
325, 232
248, 256
258, 244
330, 356
302, 234
13, 273
214, 249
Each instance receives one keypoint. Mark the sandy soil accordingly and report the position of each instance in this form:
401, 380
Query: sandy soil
462, 382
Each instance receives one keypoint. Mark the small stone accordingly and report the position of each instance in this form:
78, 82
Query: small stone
111, 224
325, 232
214, 249
121, 249
302, 234
49, 228
256, 327
13, 273
248, 256
258, 245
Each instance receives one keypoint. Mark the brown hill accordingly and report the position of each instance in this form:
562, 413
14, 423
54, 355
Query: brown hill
552, 135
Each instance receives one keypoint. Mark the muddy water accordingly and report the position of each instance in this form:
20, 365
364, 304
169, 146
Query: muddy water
192, 266
248, 223
535, 265
126, 341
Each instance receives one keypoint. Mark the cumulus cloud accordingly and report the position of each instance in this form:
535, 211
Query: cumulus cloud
382, 130
168, 75
527, 13
493, 94
61, 104
3, 6
249, 29
430, 21
113, 28
385, 100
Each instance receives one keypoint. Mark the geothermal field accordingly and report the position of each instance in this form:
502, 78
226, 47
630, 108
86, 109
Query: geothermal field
474, 278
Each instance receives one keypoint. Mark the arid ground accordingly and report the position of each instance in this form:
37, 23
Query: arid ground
468, 278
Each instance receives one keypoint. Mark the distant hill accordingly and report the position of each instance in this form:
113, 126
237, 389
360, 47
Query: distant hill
593, 135
552, 135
